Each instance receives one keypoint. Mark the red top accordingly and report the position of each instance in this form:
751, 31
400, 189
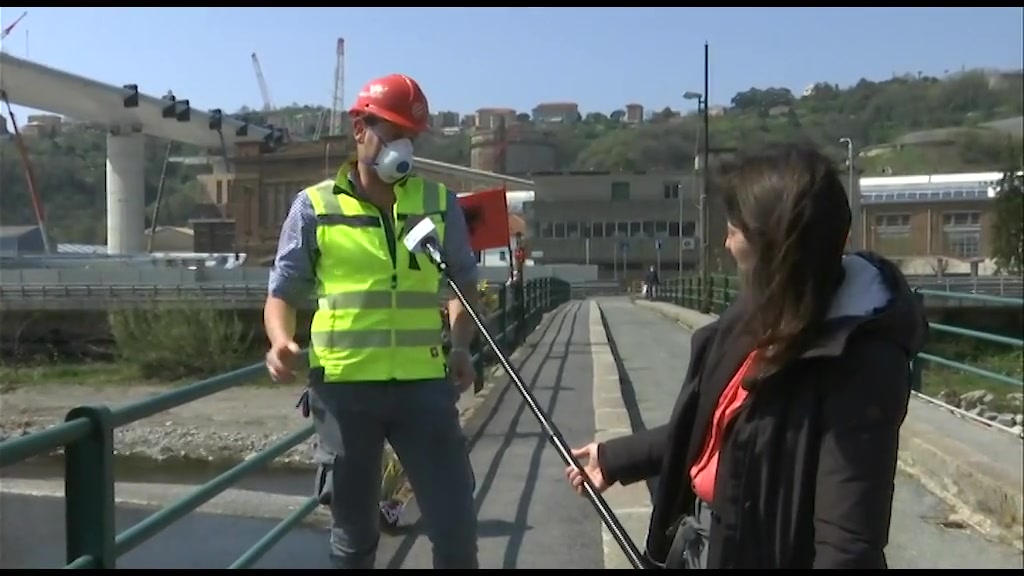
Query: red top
705, 470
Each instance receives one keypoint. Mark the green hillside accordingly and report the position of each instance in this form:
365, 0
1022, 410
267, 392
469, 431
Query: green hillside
876, 115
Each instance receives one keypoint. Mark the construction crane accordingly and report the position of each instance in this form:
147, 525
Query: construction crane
30, 174
7, 30
264, 91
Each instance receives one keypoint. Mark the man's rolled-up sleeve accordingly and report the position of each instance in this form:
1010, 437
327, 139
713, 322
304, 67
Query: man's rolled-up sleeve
458, 251
293, 276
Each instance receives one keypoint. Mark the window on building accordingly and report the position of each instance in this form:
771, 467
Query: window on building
966, 245
620, 191
689, 228
572, 229
661, 228
547, 230
220, 192
284, 197
622, 229
559, 230
634, 229
892, 221
597, 229
892, 235
503, 256
586, 229
961, 232
648, 228
961, 219
893, 243
673, 229
670, 190
263, 207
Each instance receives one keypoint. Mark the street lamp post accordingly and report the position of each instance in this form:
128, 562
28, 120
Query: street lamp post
696, 166
704, 224
852, 196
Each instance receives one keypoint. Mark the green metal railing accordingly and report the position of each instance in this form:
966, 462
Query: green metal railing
689, 292
87, 437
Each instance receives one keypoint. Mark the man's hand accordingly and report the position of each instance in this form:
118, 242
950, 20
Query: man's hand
280, 361
460, 368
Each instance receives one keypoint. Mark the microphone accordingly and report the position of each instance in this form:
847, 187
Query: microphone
422, 239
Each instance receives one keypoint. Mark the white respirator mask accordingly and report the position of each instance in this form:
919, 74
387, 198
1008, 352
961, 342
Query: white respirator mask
394, 161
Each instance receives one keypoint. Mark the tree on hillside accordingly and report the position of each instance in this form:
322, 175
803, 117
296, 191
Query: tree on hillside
1008, 228
70, 166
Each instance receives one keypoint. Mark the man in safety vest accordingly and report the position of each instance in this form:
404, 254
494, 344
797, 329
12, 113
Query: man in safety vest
378, 370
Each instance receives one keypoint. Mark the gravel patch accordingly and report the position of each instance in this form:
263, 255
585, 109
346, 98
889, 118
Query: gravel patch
227, 427
230, 425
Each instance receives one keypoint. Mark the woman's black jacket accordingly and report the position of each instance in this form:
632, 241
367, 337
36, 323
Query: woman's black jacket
806, 471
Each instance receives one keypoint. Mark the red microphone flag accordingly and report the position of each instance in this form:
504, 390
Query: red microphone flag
487, 217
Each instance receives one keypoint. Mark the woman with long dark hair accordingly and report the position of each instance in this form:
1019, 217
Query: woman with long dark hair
781, 450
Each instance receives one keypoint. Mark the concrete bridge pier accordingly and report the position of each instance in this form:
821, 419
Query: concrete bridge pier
126, 198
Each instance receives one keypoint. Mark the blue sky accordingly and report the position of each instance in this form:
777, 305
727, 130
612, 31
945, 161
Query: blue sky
467, 58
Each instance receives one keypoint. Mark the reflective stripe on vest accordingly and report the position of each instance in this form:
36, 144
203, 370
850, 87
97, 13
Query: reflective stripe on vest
378, 318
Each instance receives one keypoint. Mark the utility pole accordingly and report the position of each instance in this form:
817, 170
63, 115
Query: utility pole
705, 246
853, 197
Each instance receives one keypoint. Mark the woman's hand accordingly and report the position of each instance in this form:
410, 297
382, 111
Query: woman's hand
587, 456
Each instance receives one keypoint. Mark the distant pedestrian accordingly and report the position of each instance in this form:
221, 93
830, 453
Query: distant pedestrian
651, 283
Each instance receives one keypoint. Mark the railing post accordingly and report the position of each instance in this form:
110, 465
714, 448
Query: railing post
519, 290
535, 296
503, 317
917, 365
89, 490
531, 297
726, 293
478, 366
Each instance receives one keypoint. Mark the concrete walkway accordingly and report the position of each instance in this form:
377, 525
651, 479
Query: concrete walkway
654, 353
528, 517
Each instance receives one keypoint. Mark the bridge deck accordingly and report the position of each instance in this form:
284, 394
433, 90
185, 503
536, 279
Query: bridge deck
528, 518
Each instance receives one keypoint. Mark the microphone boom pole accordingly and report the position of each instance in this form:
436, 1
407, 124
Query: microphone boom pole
554, 435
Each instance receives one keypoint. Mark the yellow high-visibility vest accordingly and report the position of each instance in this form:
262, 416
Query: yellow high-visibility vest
378, 312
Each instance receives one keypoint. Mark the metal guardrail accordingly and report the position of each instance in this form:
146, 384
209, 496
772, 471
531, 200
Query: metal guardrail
87, 436
256, 291
1010, 286
113, 296
152, 291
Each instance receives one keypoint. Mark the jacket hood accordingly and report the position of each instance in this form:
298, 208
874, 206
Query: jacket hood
875, 297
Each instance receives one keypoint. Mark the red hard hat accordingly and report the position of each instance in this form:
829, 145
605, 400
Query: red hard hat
395, 98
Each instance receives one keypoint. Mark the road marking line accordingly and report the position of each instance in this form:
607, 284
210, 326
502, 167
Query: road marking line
635, 507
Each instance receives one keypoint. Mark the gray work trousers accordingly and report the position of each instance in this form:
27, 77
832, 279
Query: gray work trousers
421, 422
